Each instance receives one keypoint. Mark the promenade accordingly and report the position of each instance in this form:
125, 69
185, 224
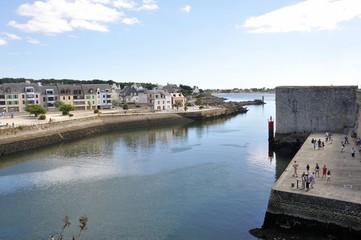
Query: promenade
345, 178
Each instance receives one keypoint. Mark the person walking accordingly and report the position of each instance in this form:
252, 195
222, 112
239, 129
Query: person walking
317, 170
324, 171
295, 166
312, 179
303, 180
307, 182
342, 146
353, 152
308, 168
328, 180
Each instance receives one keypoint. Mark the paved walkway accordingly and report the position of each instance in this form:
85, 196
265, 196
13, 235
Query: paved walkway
346, 171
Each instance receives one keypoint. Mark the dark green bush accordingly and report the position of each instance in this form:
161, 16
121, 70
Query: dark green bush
42, 117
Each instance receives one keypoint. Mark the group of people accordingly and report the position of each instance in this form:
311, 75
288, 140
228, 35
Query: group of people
308, 179
320, 144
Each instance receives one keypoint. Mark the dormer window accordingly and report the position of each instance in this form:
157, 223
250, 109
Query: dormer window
8, 90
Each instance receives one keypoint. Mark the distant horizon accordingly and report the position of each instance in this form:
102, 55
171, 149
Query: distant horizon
127, 82
245, 44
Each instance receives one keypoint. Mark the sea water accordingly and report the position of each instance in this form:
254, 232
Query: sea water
208, 180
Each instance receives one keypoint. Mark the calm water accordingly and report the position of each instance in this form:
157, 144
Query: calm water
206, 180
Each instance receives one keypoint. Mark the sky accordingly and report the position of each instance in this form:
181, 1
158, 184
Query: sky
210, 44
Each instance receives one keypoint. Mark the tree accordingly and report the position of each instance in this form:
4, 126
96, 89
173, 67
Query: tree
125, 106
178, 104
35, 109
66, 108
58, 103
115, 103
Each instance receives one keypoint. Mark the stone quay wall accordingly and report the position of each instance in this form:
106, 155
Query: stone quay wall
319, 215
315, 109
28, 137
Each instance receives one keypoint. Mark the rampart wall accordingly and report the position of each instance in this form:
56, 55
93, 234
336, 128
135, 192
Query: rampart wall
305, 213
315, 109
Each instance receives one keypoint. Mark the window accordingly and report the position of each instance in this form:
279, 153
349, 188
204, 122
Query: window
29, 89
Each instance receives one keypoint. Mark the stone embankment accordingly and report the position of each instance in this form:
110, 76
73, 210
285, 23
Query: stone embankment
330, 210
27, 137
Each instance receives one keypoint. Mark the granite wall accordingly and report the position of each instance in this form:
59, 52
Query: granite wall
315, 109
322, 216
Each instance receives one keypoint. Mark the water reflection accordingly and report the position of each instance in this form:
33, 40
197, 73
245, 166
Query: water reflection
207, 180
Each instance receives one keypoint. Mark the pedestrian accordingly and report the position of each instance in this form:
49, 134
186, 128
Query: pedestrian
324, 171
52, 237
353, 152
328, 180
326, 137
346, 140
308, 168
312, 179
307, 182
295, 166
303, 180
317, 170
342, 146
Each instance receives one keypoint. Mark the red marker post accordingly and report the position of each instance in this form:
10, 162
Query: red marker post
270, 129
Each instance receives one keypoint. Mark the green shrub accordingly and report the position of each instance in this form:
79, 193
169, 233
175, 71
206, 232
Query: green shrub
125, 106
42, 117
70, 114
201, 107
96, 110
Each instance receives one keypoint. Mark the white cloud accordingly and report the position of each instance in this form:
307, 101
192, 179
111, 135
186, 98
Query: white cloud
3, 42
125, 4
149, 5
306, 16
130, 21
57, 16
11, 36
33, 41
186, 9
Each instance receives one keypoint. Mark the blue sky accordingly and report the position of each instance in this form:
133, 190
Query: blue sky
210, 44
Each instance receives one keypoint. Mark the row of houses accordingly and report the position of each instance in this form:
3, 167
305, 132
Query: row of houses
15, 96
